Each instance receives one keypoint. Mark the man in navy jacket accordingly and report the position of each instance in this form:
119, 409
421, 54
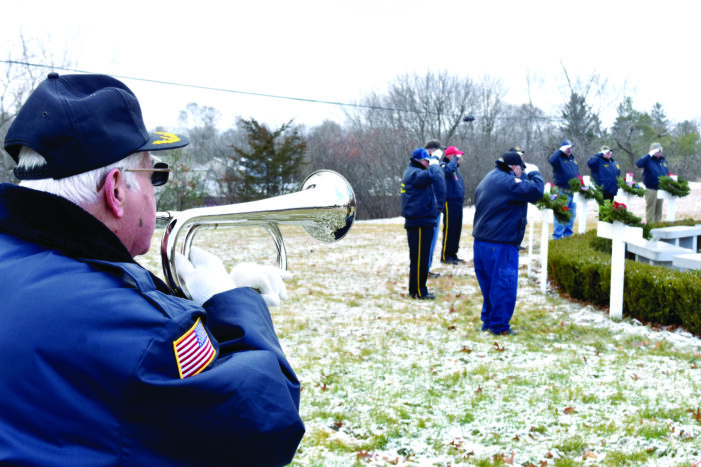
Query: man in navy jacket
605, 171
100, 364
419, 209
654, 166
564, 169
454, 199
501, 207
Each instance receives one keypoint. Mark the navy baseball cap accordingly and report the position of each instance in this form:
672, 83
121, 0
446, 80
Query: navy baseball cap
80, 123
512, 158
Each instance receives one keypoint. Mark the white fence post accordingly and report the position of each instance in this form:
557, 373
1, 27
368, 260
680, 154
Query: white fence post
531, 216
622, 197
547, 218
671, 204
582, 208
619, 233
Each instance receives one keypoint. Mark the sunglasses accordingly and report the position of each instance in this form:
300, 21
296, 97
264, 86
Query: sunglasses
159, 174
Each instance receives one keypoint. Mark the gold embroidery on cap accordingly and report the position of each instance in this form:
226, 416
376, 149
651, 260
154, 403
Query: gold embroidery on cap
166, 138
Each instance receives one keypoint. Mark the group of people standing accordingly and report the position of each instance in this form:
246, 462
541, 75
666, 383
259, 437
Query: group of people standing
605, 172
432, 188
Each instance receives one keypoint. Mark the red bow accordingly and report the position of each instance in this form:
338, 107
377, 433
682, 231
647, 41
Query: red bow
619, 205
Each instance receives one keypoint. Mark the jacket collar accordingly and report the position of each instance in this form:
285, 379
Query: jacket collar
58, 224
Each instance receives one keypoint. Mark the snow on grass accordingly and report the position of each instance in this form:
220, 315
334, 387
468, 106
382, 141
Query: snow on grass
387, 380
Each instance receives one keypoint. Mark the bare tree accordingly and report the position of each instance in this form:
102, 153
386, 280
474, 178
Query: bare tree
385, 128
28, 62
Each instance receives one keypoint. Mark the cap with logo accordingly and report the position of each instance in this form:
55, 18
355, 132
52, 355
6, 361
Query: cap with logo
79, 123
512, 158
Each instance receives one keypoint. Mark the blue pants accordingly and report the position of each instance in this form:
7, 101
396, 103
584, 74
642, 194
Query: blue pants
565, 230
496, 267
452, 228
433, 242
419, 248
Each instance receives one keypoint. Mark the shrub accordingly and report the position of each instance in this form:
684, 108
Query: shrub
581, 266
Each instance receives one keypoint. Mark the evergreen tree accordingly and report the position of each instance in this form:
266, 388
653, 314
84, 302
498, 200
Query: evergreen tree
633, 131
271, 162
580, 124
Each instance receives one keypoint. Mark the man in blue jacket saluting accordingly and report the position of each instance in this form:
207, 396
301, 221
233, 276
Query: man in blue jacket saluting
454, 199
654, 166
605, 171
419, 209
501, 207
564, 169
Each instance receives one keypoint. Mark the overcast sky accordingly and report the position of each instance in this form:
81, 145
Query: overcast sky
340, 51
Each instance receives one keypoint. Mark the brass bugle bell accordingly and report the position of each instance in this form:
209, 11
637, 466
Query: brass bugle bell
325, 207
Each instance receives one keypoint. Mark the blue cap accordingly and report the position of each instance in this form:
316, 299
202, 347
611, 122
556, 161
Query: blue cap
80, 123
566, 142
420, 154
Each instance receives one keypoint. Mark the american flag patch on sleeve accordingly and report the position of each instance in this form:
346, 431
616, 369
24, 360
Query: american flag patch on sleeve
193, 351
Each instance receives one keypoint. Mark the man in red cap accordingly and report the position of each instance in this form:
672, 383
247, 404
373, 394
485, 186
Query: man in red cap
454, 199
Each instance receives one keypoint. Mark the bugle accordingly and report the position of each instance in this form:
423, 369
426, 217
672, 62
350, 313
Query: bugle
325, 207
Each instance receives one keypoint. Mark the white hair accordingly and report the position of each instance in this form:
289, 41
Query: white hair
81, 189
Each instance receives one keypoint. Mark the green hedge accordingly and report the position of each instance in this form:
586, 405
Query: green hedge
581, 266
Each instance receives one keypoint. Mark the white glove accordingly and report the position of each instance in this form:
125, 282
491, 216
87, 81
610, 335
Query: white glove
433, 161
437, 153
530, 168
267, 279
203, 275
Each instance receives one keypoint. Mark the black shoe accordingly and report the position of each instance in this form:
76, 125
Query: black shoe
459, 260
509, 332
433, 275
428, 296
449, 261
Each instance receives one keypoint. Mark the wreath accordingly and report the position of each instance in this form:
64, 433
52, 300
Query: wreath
609, 212
635, 189
557, 201
588, 192
678, 188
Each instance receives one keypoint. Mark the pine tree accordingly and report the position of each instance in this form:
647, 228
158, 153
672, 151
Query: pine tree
270, 165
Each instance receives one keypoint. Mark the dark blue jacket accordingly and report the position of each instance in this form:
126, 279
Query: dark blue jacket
419, 204
455, 186
501, 204
605, 172
89, 371
653, 169
565, 168
440, 190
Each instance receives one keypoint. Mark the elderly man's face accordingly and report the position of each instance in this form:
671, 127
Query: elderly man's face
140, 212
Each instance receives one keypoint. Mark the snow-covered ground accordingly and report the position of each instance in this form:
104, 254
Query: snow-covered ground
391, 381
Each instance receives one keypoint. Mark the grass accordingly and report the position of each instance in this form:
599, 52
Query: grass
391, 381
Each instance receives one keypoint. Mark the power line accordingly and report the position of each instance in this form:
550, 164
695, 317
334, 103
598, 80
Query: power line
210, 88
465, 118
